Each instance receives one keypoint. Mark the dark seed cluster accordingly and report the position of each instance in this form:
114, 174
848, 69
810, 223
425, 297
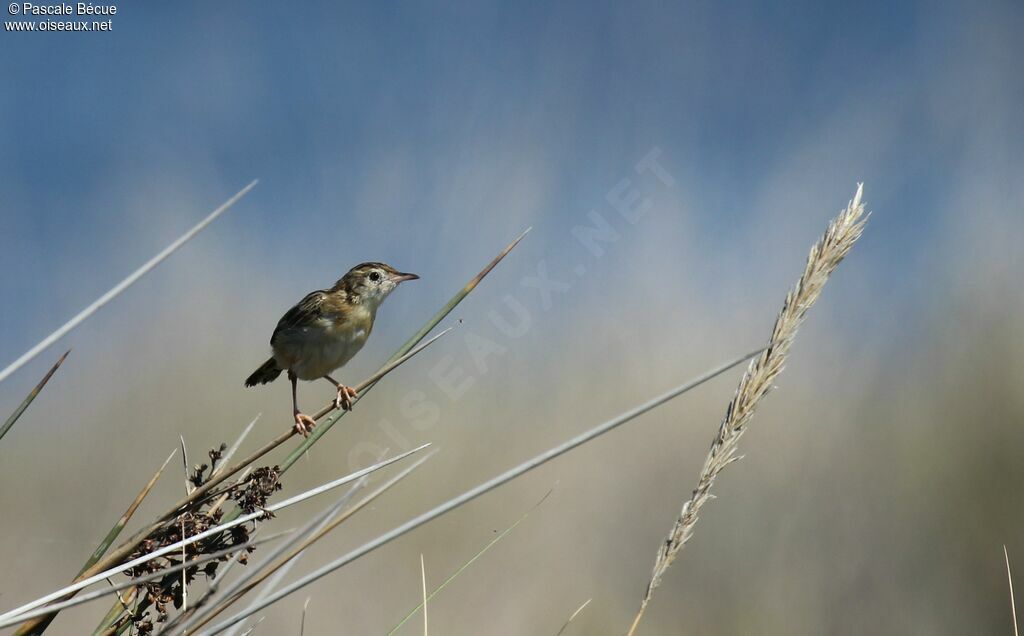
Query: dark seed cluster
199, 474
160, 594
262, 483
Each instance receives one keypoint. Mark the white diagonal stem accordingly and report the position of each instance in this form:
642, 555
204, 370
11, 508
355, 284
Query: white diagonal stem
123, 285
205, 534
479, 490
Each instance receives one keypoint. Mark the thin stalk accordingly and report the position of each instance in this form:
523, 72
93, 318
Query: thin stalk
825, 255
423, 579
312, 524
573, 616
254, 626
462, 568
116, 610
31, 396
205, 489
205, 534
481, 489
1013, 604
123, 285
322, 429
406, 351
129, 546
278, 576
302, 623
244, 586
226, 457
222, 576
184, 465
114, 588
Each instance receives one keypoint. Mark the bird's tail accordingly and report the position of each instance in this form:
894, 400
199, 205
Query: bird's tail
267, 372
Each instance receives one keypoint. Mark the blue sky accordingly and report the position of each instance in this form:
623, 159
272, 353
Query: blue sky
412, 132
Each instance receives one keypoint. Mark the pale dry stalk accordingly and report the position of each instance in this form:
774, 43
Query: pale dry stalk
759, 379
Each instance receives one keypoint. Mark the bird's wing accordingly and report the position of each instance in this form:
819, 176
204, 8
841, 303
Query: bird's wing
305, 313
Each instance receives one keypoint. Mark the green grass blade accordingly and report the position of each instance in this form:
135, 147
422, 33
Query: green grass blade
326, 425
31, 396
462, 568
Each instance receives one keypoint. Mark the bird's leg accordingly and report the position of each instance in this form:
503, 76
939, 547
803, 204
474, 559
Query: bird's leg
303, 423
346, 394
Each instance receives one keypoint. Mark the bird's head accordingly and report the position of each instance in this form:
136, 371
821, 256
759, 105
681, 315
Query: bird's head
372, 282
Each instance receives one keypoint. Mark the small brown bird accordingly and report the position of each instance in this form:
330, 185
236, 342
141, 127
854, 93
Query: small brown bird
324, 331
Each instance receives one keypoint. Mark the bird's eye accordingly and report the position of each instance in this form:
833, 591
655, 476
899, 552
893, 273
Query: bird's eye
375, 277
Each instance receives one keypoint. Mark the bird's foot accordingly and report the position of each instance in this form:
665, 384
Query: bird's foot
345, 397
304, 424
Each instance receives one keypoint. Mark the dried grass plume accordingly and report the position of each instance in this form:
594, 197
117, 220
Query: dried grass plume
759, 379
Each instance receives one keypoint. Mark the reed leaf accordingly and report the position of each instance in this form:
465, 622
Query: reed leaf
222, 575
406, 351
278, 576
116, 290
40, 625
206, 489
244, 586
31, 396
116, 608
220, 476
96, 578
481, 489
311, 526
114, 589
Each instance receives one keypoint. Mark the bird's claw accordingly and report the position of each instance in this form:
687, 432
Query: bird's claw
304, 424
346, 395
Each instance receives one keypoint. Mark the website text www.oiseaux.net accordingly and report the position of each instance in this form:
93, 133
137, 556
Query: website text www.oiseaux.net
48, 17
54, 25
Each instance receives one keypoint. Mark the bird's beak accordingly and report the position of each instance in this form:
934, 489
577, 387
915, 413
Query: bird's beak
400, 277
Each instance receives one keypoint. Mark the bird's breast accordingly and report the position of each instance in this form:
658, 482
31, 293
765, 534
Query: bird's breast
318, 349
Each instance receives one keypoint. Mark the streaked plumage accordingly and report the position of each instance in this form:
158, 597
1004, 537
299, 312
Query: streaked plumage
326, 329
